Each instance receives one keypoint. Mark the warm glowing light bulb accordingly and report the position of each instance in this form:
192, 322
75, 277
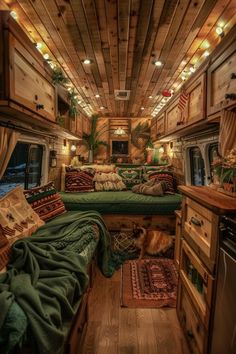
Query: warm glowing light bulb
142, 108
158, 63
87, 61
192, 69
46, 56
161, 149
39, 46
97, 96
14, 15
73, 147
206, 53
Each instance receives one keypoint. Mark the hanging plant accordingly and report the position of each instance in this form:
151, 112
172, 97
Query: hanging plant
141, 134
73, 107
58, 77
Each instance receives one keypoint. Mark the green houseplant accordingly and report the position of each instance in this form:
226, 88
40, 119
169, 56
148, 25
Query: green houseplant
141, 139
225, 170
92, 140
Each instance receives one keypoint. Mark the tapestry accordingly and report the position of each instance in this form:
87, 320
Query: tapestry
149, 283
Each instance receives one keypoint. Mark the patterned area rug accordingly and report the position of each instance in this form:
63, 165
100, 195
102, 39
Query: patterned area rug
149, 283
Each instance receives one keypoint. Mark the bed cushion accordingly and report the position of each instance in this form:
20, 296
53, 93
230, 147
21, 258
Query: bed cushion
148, 170
108, 182
45, 201
79, 181
122, 202
130, 176
17, 218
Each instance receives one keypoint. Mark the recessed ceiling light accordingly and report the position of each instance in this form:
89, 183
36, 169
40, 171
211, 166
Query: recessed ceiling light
142, 108
87, 61
46, 56
157, 63
149, 96
102, 107
97, 96
14, 15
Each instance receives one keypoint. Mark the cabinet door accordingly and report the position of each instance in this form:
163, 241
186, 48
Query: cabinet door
222, 81
160, 125
175, 117
196, 101
28, 86
177, 238
153, 129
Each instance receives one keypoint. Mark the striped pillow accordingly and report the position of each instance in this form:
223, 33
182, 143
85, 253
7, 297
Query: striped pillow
167, 178
45, 201
79, 181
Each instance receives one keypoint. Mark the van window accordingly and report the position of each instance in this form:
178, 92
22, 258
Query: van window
197, 167
212, 155
25, 166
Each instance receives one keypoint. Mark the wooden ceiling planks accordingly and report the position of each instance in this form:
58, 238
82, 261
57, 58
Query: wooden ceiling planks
123, 38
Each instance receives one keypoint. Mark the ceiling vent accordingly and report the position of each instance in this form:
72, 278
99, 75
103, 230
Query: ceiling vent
122, 95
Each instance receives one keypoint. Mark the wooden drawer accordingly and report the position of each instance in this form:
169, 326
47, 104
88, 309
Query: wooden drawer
199, 228
222, 81
193, 328
160, 126
198, 282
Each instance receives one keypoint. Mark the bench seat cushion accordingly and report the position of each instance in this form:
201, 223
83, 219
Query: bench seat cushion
122, 202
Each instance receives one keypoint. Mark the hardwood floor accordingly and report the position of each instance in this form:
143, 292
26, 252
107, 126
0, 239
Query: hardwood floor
116, 330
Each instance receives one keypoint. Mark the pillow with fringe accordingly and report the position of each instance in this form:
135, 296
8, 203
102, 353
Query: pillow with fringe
108, 182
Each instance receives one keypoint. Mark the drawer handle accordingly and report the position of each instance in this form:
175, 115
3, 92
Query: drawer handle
233, 76
230, 96
195, 221
39, 106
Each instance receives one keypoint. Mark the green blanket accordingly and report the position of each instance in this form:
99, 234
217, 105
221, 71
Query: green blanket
48, 276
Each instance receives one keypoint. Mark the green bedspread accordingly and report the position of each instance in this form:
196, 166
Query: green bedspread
122, 202
47, 278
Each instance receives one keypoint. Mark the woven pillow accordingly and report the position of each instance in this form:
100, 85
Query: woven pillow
45, 201
149, 170
108, 182
165, 177
17, 218
130, 175
79, 181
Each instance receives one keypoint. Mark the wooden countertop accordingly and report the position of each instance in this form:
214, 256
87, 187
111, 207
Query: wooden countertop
218, 202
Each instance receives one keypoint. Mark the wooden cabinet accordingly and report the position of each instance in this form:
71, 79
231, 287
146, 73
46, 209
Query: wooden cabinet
178, 234
153, 129
202, 208
196, 100
222, 81
174, 116
160, 125
26, 78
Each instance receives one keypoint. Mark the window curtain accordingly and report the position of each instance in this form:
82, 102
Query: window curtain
8, 140
227, 136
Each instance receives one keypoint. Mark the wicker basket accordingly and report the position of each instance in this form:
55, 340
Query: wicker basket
123, 241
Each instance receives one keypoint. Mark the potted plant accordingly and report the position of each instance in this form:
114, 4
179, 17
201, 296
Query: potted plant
225, 170
92, 141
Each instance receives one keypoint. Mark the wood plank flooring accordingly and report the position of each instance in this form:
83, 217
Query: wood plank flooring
116, 330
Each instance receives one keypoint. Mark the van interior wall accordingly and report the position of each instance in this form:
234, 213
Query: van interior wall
64, 155
177, 160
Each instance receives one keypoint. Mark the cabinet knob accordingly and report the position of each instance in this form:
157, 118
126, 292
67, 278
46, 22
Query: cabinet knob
39, 106
230, 96
195, 221
233, 76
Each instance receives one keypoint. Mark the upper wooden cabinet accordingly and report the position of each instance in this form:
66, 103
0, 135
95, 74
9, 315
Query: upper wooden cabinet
197, 98
25, 78
174, 117
153, 128
222, 81
160, 125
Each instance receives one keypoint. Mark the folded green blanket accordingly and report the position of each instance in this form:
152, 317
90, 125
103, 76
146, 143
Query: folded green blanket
47, 277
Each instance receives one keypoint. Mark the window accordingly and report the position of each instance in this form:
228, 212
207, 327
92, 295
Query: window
25, 166
212, 155
197, 166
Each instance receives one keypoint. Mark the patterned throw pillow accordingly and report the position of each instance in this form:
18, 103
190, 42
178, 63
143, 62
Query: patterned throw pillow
45, 201
167, 178
130, 176
17, 218
148, 170
108, 182
79, 181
